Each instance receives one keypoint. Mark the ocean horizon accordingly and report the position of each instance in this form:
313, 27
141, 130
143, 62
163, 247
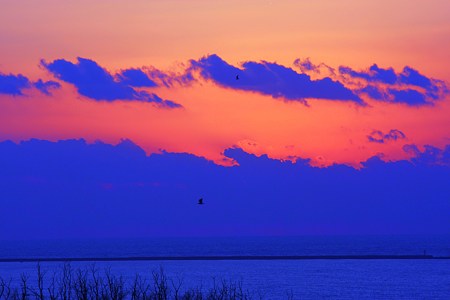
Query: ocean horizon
309, 245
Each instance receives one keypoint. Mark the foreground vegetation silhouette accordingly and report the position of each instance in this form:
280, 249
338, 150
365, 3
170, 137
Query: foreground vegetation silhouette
91, 283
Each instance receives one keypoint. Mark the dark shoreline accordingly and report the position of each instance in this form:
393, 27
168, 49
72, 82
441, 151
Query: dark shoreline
223, 257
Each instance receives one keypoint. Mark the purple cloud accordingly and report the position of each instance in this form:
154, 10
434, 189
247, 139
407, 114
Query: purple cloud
409, 96
46, 86
93, 81
413, 77
13, 84
307, 67
135, 78
272, 79
374, 74
169, 79
378, 136
408, 87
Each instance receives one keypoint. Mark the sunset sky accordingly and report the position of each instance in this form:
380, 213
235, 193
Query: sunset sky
324, 87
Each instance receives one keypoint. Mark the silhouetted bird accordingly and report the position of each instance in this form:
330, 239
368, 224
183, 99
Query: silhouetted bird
200, 201
237, 77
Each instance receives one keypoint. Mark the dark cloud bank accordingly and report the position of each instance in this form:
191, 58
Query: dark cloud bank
74, 189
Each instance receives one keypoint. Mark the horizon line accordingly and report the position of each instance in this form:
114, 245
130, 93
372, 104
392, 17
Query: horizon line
220, 257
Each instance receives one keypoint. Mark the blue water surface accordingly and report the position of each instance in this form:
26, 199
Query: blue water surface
305, 279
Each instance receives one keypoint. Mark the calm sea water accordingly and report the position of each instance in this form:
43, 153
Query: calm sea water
307, 279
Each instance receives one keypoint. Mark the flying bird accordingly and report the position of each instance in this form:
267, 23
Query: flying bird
237, 77
200, 201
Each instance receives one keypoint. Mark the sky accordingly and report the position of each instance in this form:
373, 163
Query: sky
287, 117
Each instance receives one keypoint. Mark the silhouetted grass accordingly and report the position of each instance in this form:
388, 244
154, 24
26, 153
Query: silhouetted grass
91, 283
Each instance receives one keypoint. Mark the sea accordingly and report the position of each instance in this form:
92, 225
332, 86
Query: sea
266, 279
